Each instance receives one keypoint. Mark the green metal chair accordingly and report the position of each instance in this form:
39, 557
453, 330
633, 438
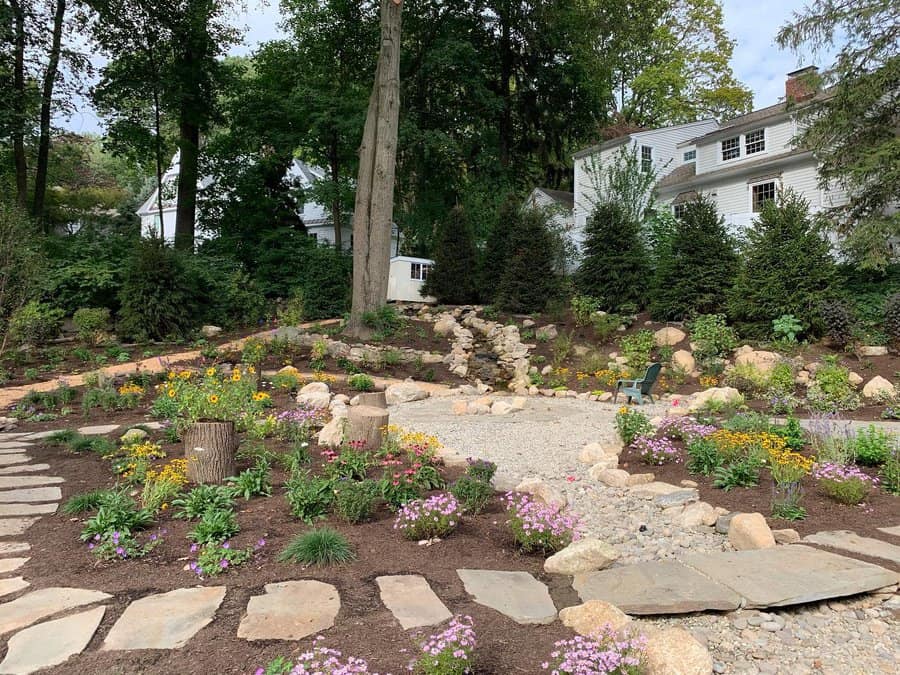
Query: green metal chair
637, 389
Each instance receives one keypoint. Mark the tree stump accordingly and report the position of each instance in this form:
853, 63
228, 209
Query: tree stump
209, 450
375, 399
366, 422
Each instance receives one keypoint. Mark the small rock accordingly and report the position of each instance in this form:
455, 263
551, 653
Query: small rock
878, 388
688, 483
668, 336
460, 407
679, 498
723, 522
697, 514
210, 331
501, 408
674, 651
584, 555
749, 531
133, 436
855, 379
788, 536
539, 489
873, 350
723, 395
547, 332
591, 616
640, 479
405, 392
616, 478
608, 462
684, 360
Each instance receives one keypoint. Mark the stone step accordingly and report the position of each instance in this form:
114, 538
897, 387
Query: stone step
28, 481
165, 620
517, 595
28, 509
43, 494
23, 468
7, 460
290, 610
50, 643
14, 547
845, 540
14, 445
12, 585
14, 527
98, 430
8, 565
40, 435
43, 603
893, 531
411, 600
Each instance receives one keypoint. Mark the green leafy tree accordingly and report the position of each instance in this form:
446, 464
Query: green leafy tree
452, 280
697, 266
614, 266
526, 279
852, 128
498, 247
788, 268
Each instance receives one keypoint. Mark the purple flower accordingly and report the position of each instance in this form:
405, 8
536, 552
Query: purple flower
223, 563
260, 543
120, 551
194, 548
226, 545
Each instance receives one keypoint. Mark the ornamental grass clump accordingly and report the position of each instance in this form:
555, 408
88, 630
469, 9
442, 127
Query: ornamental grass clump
449, 652
605, 652
540, 527
631, 424
656, 451
322, 546
436, 516
843, 483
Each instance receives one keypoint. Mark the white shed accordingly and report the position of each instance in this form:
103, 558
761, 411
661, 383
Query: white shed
406, 277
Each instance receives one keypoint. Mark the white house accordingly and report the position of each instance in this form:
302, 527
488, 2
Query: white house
406, 277
315, 217
740, 163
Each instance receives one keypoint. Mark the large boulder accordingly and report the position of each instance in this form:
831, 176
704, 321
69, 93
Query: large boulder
763, 361
668, 336
674, 651
405, 392
879, 388
547, 332
332, 434
592, 616
210, 331
600, 452
684, 360
724, 395
749, 531
537, 488
314, 395
584, 555
444, 325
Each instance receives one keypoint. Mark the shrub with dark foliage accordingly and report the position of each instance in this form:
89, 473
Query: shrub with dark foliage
892, 316
452, 280
527, 280
839, 321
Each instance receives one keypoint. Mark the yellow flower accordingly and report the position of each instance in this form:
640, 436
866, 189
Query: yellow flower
210, 372
172, 375
171, 393
261, 396
251, 369
164, 506
185, 374
236, 376
213, 399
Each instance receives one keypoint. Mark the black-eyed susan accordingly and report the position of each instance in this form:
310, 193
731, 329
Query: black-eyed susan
210, 371
213, 398
236, 376
170, 393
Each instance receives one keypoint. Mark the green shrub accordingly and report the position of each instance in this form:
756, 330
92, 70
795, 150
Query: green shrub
472, 494
86, 501
453, 278
831, 389
527, 279
361, 382
748, 423
35, 323
252, 482
322, 546
892, 316
637, 348
703, 457
712, 338
839, 321
481, 469
354, 501
872, 445
747, 379
741, 472
201, 499
605, 326
781, 380
385, 321
215, 525
583, 308
697, 267
890, 472
23, 268
631, 423
350, 463
786, 328
309, 496
91, 323
116, 512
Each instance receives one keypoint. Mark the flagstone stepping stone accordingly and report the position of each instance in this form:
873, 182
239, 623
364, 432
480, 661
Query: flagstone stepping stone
165, 620
27, 509
8, 435
14, 445
517, 595
13, 527
411, 600
290, 610
15, 450
11, 564
13, 547
50, 643
98, 430
895, 531
654, 489
790, 575
12, 585
39, 435
7, 460
39, 604
43, 494
23, 468
26, 481
846, 540
659, 587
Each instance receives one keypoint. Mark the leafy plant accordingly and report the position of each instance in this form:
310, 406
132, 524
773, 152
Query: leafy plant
116, 512
637, 348
436, 516
214, 558
322, 546
872, 445
703, 457
252, 482
350, 463
712, 338
892, 316
583, 308
472, 493
354, 501
481, 469
215, 525
631, 424
34, 323
890, 472
309, 497
831, 388
450, 652
540, 527
786, 328
844, 484
840, 323
86, 501
605, 326
201, 499
742, 472
361, 382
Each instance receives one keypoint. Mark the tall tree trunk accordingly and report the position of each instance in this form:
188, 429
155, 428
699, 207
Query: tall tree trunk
374, 208
157, 133
188, 174
18, 131
506, 67
43, 156
336, 216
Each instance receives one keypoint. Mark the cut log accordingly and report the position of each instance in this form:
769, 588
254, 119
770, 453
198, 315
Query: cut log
376, 399
209, 449
366, 423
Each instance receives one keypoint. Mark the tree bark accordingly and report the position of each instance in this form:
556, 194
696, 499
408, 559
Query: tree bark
374, 208
188, 173
506, 69
209, 449
373, 399
365, 424
43, 155
336, 217
20, 112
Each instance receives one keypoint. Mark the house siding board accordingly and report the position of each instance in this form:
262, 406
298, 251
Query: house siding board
779, 139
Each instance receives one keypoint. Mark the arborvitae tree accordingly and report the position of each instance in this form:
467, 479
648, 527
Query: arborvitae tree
452, 280
527, 280
498, 246
696, 267
614, 266
788, 268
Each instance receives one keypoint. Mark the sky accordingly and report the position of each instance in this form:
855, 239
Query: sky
757, 61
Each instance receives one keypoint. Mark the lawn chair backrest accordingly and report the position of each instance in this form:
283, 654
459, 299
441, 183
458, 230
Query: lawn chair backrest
650, 377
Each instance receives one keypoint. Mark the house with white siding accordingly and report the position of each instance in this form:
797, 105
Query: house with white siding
740, 163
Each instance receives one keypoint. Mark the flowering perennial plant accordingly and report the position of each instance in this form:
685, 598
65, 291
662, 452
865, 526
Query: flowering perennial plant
163, 485
843, 483
414, 444
132, 462
788, 469
449, 652
604, 653
296, 425
540, 527
685, 429
215, 558
631, 424
436, 516
736, 444
656, 451
317, 661
214, 396
118, 545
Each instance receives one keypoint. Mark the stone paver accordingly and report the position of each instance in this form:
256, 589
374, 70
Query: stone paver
27, 481
845, 540
894, 531
655, 489
660, 587
12, 585
14, 449
23, 468
39, 435
50, 643
11, 564
44, 494
517, 595
290, 610
42, 603
13, 527
166, 620
790, 575
27, 509
14, 445
13, 547
411, 601
98, 430
7, 460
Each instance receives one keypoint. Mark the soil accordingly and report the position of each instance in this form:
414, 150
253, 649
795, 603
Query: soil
364, 627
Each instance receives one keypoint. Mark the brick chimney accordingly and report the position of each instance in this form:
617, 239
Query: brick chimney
801, 84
